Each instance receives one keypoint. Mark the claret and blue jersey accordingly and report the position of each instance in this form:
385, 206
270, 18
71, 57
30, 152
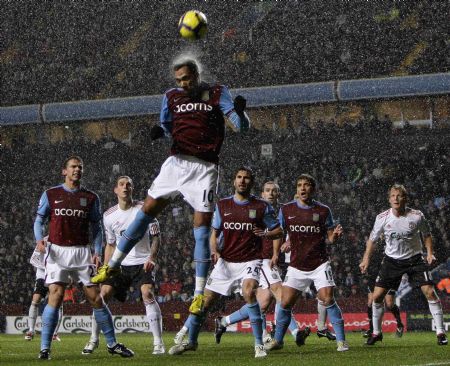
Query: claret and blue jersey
70, 213
197, 125
307, 227
236, 221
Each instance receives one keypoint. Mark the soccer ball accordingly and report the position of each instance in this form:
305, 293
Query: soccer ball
193, 25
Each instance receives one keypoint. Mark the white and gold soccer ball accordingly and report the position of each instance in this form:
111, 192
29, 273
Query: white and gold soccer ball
193, 25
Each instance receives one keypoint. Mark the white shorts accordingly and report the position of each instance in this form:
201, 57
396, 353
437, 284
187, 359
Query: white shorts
194, 178
64, 264
40, 273
226, 276
269, 276
322, 276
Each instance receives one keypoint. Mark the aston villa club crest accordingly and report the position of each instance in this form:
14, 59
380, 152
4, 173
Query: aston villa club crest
205, 96
316, 217
83, 201
252, 214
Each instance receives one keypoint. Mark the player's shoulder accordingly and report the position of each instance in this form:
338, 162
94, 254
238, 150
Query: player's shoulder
138, 204
226, 199
172, 91
384, 214
54, 188
110, 211
88, 192
414, 212
288, 205
321, 205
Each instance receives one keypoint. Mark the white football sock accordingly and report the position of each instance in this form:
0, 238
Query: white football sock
438, 317
155, 321
322, 315
377, 317
95, 330
32, 316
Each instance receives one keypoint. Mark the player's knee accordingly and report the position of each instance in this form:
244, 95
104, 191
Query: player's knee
429, 293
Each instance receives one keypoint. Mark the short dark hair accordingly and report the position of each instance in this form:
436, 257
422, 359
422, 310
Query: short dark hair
309, 178
245, 169
191, 64
121, 177
71, 157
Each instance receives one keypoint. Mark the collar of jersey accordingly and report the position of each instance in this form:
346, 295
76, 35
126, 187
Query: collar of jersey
68, 189
306, 207
241, 203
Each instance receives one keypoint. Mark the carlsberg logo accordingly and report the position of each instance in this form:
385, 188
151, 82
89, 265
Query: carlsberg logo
304, 229
189, 107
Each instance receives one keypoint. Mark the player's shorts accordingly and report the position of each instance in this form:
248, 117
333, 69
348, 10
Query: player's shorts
130, 276
66, 264
40, 273
322, 276
268, 276
392, 270
371, 286
226, 276
40, 288
194, 178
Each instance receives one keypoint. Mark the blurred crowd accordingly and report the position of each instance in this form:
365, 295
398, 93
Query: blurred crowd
353, 166
64, 51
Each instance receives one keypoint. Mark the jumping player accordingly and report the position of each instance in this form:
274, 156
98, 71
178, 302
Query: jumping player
193, 114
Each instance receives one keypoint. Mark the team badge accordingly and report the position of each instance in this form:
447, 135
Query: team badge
252, 214
83, 202
412, 225
205, 96
316, 217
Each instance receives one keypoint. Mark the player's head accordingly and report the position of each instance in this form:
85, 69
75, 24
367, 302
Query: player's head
243, 180
124, 187
398, 196
187, 74
270, 192
72, 169
306, 186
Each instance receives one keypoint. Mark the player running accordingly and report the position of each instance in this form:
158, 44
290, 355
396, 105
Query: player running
39, 293
309, 225
403, 229
193, 114
244, 220
136, 269
72, 211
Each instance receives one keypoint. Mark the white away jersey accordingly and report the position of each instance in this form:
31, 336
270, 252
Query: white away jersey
116, 221
402, 234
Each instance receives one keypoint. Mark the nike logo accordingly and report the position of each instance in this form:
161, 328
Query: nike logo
59, 201
176, 99
291, 217
227, 214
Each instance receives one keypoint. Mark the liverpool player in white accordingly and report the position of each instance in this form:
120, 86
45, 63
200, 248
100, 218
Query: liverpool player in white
403, 229
193, 115
138, 266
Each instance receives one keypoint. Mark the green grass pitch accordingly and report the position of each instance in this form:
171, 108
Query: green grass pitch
235, 349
